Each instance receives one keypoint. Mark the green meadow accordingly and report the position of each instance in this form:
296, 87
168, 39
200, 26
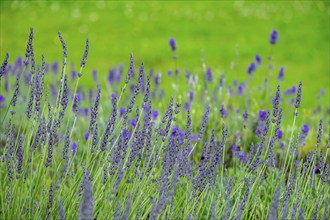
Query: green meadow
229, 34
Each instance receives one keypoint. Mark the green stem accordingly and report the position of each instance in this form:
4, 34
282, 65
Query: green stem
289, 147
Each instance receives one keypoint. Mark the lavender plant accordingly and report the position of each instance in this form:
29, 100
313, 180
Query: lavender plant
206, 151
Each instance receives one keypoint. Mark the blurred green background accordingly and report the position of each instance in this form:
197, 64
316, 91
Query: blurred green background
226, 32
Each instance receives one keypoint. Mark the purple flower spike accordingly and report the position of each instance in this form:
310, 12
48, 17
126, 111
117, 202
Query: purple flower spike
94, 73
133, 122
55, 67
111, 75
157, 79
172, 43
262, 115
155, 114
281, 74
122, 111
251, 68
208, 74
181, 134
223, 112
241, 155
2, 98
86, 136
191, 96
279, 134
234, 148
187, 105
273, 37
74, 148
305, 129
194, 137
73, 74
258, 58
240, 89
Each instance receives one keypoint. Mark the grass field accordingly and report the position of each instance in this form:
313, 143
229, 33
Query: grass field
223, 30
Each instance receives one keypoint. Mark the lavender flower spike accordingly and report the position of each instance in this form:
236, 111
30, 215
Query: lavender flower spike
272, 213
251, 68
4, 64
319, 134
258, 58
65, 49
273, 37
87, 203
298, 99
84, 59
281, 74
171, 41
29, 48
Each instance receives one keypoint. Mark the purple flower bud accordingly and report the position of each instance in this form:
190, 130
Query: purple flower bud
169, 72
172, 43
187, 105
221, 80
191, 96
245, 115
240, 89
251, 68
262, 115
73, 74
234, 148
223, 112
74, 147
181, 134
55, 67
94, 73
305, 129
241, 155
86, 136
133, 122
194, 137
122, 111
111, 75
279, 134
273, 37
258, 58
157, 79
85, 111
155, 114
260, 129
281, 144
208, 74
2, 98
281, 74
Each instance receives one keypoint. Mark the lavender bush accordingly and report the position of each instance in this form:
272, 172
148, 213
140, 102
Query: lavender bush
129, 148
